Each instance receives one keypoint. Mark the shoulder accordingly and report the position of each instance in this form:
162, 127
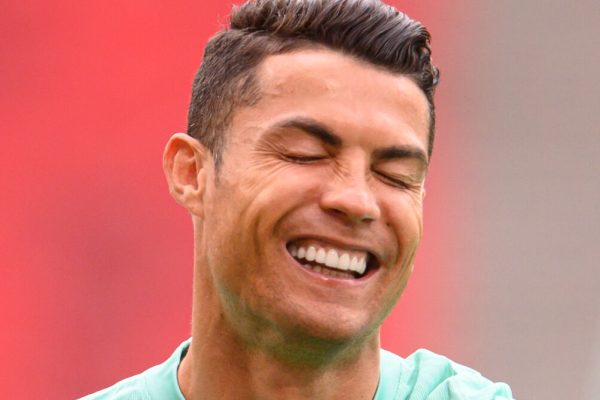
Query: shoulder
156, 383
131, 388
427, 375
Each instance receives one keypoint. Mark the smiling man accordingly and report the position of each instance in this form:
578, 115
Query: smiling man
310, 133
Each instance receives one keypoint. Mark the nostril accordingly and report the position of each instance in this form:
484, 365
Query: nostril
351, 203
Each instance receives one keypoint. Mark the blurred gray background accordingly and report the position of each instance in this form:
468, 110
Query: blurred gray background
533, 97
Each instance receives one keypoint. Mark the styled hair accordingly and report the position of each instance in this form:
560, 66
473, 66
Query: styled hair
366, 29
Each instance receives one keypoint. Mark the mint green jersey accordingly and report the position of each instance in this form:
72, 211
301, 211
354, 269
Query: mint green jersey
422, 376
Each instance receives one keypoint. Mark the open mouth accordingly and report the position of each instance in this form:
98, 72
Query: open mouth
332, 261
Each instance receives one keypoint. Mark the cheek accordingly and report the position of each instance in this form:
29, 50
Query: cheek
223, 243
244, 214
279, 191
405, 218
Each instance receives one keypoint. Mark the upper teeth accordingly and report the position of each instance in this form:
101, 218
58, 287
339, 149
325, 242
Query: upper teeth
332, 258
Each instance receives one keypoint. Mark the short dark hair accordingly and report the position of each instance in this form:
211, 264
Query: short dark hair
366, 29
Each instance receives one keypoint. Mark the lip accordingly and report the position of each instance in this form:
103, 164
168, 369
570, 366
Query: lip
373, 266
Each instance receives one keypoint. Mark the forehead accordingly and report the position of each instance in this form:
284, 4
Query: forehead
323, 70
347, 93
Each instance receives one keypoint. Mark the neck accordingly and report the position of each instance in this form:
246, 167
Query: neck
222, 363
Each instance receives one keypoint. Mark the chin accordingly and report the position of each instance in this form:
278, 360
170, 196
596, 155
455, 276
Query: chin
328, 325
313, 342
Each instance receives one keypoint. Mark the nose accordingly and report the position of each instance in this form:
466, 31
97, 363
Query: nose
352, 199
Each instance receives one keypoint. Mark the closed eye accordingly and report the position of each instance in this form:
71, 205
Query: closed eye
393, 181
302, 159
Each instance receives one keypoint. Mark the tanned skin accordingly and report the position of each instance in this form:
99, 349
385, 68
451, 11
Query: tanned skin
334, 153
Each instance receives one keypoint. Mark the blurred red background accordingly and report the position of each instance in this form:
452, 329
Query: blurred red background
96, 258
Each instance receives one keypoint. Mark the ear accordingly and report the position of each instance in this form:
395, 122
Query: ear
186, 163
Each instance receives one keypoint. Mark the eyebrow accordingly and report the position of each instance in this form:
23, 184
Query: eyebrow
313, 128
400, 152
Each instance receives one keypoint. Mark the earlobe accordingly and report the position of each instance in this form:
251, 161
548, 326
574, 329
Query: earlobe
185, 162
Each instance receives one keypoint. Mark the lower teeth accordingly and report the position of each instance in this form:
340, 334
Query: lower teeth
329, 272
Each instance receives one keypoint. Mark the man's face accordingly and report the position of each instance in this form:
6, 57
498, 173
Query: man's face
320, 180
